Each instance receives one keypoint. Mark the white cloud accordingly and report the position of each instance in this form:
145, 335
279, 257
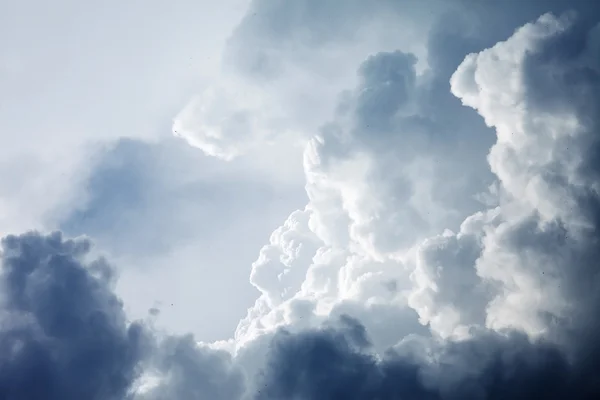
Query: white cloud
540, 100
487, 274
372, 176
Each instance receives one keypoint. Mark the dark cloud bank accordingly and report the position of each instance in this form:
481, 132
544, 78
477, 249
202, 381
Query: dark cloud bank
64, 334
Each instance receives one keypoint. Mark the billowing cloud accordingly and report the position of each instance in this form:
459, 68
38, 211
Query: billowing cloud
76, 77
338, 364
284, 65
64, 333
510, 295
448, 248
281, 266
183, 369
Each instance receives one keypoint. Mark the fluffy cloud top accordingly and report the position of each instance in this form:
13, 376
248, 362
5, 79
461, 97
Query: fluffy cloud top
518, 278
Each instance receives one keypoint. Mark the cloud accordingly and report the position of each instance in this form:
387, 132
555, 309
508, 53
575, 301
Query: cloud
402, 152
380, 178
164, 213
539, 91
64, 333
281, 266
536, 250
337, 363
446, 290
220, 121
419, 268
273, 35
508, 298
71, 85
184, 370
284, 66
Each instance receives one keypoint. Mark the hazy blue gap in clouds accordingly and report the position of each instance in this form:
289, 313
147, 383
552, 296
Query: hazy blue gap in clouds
167, 215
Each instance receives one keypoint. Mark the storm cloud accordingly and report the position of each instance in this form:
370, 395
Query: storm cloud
447, 247
64, 333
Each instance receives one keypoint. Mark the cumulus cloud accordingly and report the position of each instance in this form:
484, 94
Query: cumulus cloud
337, 363
509, 296
284, 65
380, 177
74, 78
446, 290
539, 95
448, 249
221, 120
274, 36
282, 265
64, 333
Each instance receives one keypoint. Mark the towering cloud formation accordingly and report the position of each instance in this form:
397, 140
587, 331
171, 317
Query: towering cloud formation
336, 364
529, 265
540, 91
419, 269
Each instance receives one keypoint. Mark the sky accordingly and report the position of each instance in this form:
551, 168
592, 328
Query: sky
308, 199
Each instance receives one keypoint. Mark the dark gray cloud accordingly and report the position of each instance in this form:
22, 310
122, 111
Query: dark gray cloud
331, 363
63, 333
187, 371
